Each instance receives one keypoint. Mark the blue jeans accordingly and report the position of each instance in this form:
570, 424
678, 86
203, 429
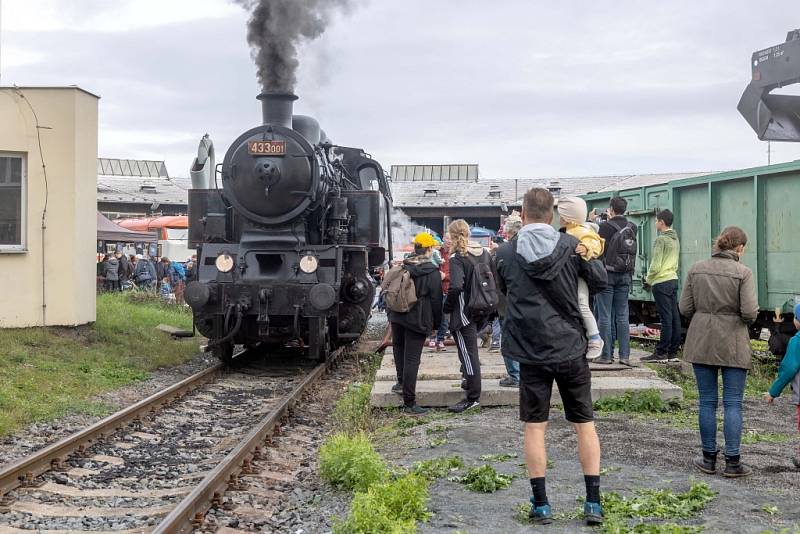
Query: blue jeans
497, 327
733, 381
613, 303
444, 326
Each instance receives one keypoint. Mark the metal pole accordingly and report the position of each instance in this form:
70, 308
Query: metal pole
769, 152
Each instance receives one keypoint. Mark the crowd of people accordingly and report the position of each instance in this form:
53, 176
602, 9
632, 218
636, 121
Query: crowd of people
556, 300
162, 276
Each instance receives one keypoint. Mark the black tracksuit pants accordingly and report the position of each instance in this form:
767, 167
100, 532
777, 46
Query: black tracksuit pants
466, 339
407, 346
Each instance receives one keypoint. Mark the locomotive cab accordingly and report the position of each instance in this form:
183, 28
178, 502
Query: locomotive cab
286, 247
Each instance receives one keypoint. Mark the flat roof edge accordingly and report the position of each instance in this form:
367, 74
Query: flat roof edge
72, 87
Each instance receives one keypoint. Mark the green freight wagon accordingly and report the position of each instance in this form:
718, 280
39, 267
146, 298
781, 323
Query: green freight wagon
763, 201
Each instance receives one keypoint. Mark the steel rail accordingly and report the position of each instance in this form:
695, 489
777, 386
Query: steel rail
51, 457
190, 512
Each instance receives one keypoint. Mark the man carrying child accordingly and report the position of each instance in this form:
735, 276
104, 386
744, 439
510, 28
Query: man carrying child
543, 330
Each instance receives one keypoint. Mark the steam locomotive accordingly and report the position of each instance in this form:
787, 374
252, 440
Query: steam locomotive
287, 246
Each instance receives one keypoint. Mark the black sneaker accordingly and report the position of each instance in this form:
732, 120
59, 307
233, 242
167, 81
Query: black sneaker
604, 361
626, 362
656, 357
397, 388
413, 410
509, 382
463, 405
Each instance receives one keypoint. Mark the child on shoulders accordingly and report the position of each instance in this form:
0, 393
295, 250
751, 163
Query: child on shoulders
572, 212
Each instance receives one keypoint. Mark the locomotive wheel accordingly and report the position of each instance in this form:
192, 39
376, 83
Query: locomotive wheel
319, 340
224, 352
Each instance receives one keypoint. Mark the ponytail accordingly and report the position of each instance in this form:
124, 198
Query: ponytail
459, 235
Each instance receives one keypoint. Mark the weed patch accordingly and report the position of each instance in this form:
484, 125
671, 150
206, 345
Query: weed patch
437, 442
648, 511
438, 467
350, 462
647, 401
754, 436
484, 479
496, 457
392, 507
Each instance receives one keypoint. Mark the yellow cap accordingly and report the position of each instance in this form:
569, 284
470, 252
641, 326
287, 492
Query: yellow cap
424, 239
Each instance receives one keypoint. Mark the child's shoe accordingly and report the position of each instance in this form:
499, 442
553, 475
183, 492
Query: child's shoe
595, 347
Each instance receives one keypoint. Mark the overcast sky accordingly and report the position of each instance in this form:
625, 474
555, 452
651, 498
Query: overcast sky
525, 88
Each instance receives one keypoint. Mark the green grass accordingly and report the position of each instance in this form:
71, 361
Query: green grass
47, 373
750, 437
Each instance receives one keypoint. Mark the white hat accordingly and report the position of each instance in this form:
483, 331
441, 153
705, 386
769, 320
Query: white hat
139, 257
572, 209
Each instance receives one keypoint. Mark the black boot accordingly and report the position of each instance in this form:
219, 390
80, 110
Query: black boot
734, 468
706, 463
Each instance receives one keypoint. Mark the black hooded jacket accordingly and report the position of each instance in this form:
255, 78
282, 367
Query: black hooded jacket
426, 315
543, 323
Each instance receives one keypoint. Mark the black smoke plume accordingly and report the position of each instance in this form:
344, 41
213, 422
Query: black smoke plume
277, 28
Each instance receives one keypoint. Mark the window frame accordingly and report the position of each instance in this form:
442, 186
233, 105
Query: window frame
22, 247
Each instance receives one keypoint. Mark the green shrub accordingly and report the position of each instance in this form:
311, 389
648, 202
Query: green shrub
351, 462
485, 479
438, 467
647, 401
352, 412
391, 507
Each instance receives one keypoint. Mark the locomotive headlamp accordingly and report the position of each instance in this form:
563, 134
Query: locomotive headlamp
309, 264
224, 263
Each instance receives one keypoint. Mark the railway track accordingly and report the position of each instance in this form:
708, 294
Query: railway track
162, 463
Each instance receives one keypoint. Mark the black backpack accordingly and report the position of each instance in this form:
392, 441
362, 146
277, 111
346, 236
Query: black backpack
621, 249
483, 297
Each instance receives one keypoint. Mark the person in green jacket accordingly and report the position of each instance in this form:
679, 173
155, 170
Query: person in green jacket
662, 278
789, 372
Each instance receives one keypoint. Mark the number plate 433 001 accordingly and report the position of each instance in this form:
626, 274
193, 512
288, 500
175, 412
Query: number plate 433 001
266, 148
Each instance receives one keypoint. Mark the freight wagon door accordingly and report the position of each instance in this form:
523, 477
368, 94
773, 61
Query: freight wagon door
779, 215
733, 204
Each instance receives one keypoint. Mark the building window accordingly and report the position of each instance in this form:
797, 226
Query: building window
12, 202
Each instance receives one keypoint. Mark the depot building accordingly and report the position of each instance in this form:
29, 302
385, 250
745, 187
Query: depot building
48, 161
432, 195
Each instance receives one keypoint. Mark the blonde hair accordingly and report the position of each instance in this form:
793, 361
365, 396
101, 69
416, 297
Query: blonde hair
459, 235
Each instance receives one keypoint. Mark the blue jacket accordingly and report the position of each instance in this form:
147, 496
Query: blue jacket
789, 371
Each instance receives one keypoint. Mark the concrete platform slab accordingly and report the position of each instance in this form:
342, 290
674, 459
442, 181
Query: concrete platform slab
439, 381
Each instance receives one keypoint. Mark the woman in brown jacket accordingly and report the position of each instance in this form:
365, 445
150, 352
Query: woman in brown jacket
720, 299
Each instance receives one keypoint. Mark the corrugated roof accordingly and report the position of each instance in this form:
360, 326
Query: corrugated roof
495, 192
131, 181
134, 190
434, 173
131, 167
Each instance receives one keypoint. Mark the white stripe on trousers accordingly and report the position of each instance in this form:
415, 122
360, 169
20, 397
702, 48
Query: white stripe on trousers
461, 309
464, 354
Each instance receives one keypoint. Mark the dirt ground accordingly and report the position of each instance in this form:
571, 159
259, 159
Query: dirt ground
638, 453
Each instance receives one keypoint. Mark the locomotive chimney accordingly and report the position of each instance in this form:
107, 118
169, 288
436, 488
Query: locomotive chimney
277, 108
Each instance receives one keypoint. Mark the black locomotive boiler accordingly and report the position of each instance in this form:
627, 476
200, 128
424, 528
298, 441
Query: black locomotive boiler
286, 248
